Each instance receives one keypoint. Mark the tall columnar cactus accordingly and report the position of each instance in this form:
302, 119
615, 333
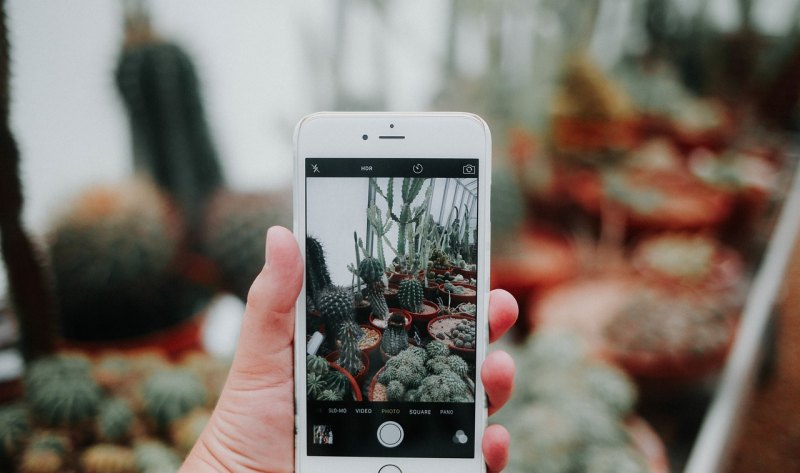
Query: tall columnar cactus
317, 276
410, 295
169, 395
113, 254
171, 139
108, 458
349, 354
233, 233
371, 271
336, 306
395, 338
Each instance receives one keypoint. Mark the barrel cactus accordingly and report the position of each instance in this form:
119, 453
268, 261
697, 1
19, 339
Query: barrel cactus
66, 402
171, 138
112, 255
108, 458
410, 295
316, 365
153, 456
395, 338
170, 394
336, 307
14, 432
115, 421
234, 232
349, 354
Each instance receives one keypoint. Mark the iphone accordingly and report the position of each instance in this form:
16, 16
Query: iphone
391, 211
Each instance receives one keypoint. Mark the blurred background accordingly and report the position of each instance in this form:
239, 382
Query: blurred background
643, 208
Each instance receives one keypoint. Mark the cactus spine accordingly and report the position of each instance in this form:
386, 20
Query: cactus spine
371, 271
395, 338
349, 354
171, 139
410, 295
336, 307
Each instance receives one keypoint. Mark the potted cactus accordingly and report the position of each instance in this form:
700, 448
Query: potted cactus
395, 337
328, 381
410, 295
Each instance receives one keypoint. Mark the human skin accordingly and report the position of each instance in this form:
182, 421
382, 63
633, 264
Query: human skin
252, 427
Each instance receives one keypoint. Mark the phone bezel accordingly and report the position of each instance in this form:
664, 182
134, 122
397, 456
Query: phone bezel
425, 135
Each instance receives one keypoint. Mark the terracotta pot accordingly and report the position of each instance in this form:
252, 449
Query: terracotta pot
466, 353
371, 348
375, 323
381, 394
470, 295
353, 384
421, 319
390, 293
466, 273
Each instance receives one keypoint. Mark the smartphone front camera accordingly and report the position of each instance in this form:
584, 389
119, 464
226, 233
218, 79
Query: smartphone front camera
364, 137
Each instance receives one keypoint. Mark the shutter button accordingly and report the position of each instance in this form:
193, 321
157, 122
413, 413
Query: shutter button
390, 434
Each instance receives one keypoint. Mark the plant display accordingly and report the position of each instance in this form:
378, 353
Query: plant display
169, 395
395, 337
108, 458
115, 420
235, 225
349, 354
410, 295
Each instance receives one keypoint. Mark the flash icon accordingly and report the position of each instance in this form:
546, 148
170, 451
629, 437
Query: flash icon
315, 168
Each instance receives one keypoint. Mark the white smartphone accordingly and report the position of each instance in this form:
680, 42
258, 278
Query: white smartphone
391, 211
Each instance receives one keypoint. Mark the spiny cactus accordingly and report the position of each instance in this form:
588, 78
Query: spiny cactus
112, 255
395, 391
171, 139
113, 372
152, 456
336, 306
371, 271
108, 458
410, 295
315, 384
60, 392
316, 365
168, 395
115, 420
14, 432
317, 276
395, 338
330, 395
444, 387
436, 348
185, 432
234, 233
337, 382
349, 354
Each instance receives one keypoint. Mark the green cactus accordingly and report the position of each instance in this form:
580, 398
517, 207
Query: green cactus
349, 354
444, 387
234, 232
315, 384
407, 367
410, 295
330, 395
438, 365
63, 402
45, 371
317, 276
112, 255
171, 139
337, 382
371, 271
113, 372
395, 391
115, 420
170, 394
395, 337
108, 458
14, 432
610, 386
153, 456
46, 453
436, 348
316, 365
543, 441
336, 306
458, 365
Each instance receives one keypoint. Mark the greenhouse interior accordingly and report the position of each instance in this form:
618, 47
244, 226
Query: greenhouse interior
645, 208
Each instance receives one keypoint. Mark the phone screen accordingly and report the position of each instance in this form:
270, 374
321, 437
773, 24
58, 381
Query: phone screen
392, 320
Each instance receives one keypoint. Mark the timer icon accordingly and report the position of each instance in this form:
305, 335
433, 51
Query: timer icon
417, 168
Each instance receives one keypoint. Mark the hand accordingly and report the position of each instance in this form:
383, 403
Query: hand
252, 427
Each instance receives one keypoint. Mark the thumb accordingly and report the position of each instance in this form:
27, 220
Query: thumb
265, 342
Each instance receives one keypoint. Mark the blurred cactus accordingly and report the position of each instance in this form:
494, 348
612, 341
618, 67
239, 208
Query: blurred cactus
185, 431
153, 456
170, 394
171, 139
61, 393
46, 453
372, 272
112, 254
234, 232
115, 421
108, 458
14, 432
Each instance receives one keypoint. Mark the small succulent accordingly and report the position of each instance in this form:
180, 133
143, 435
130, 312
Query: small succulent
153, 456
436, 348
14, 431
410, 295
395, 337
115, 420
108, 458
170, 394
185, 431
56, 368
349, 354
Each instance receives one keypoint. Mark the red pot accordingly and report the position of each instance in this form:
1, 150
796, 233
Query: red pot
353, 383
470, 295
374, 322
359, 377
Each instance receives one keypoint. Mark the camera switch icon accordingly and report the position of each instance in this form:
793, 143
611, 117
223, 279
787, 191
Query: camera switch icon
469, 169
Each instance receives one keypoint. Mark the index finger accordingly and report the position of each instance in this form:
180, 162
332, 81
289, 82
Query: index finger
503, 311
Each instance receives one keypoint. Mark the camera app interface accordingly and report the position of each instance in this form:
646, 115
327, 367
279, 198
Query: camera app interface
391, 267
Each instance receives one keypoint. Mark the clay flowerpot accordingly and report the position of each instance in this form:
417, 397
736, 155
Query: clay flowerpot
440, 329
470, 294
381, 324
468, 274
376, 390
431, 290
390, 293
429, 311
353, 383
371, 340
359, 377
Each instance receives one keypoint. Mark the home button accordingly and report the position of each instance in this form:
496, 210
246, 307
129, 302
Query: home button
390, 434
390, 469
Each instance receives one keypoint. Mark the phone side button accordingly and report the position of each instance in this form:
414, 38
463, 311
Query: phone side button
390, 469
